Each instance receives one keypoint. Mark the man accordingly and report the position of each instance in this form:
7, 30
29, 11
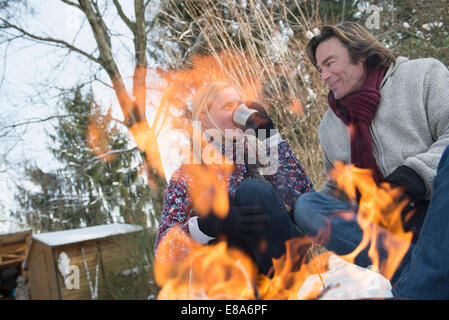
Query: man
386, 113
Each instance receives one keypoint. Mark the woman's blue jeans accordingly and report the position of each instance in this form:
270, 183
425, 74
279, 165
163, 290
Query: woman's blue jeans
271, 242
424, 270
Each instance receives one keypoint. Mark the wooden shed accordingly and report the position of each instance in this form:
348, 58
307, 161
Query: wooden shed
57, 260
13, 248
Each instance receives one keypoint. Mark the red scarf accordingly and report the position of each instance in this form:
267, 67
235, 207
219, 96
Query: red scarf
357, 110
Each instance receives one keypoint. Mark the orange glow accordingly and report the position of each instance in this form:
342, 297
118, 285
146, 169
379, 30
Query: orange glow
208, 272
207, 191
379, 217
146, 141
295, 106
184, 269
291, 270
216, 272
97, 137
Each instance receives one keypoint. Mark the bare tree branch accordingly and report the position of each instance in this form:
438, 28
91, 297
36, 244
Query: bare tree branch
33, 121
111, 152
140, 35
104, 47
57, 42
131, 25
70, 3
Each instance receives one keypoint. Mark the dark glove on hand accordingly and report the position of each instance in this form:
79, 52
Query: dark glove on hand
244, 222
259, 120
414, 192
405, 177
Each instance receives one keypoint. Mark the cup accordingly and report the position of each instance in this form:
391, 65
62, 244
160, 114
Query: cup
242, 114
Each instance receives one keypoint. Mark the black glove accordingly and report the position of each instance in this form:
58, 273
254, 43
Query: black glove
244, 222
414, 192
259, 120
406, 178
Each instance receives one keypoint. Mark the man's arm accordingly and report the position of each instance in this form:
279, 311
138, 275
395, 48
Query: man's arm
436, 95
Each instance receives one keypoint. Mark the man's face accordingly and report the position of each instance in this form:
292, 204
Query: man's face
337, 71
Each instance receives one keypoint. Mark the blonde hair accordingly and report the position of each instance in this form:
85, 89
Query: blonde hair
204, 98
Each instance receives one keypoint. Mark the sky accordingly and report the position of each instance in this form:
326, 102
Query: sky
33, 72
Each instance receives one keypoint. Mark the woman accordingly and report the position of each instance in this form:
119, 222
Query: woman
257, 221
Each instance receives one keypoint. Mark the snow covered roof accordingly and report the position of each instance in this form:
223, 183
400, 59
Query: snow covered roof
14, 236
14, 232
60, 238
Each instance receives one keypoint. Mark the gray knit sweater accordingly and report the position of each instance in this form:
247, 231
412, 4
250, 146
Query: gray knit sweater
411, 126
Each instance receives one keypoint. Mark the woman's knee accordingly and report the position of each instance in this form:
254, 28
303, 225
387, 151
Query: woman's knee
253, 191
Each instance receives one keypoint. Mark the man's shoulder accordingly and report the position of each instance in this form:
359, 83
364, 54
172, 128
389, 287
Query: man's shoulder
414, 71
330, 121
419, 64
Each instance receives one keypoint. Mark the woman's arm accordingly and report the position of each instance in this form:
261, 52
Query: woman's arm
290, 179
177, 205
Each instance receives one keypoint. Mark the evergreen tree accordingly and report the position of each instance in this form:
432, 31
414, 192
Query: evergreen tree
98, 181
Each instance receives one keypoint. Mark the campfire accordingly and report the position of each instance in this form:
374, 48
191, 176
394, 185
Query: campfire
193, 271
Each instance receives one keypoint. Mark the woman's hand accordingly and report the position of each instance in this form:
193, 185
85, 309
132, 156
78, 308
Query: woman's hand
260, 120
244, 222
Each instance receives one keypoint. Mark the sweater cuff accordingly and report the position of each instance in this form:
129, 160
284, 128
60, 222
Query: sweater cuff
196, 233
407, 178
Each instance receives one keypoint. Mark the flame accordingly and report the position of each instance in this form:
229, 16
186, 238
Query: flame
146, 141
98, 134
208, 193
229, 66
379, 217
208, 272
218, 272
291, 270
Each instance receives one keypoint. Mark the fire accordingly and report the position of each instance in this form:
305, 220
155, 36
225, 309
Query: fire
207, 192
379, 217
208, 272
186, 270
291, 270
218, 272
98, 134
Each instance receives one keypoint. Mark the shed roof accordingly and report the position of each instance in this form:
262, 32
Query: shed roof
13, 247
65, 237
14, 236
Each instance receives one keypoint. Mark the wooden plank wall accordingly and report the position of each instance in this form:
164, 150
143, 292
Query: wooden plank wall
112, 257
41, 275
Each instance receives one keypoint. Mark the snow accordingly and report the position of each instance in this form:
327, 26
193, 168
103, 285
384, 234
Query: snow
309, 35
60, 238
14, 232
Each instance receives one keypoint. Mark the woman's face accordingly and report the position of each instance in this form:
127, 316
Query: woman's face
221, 110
